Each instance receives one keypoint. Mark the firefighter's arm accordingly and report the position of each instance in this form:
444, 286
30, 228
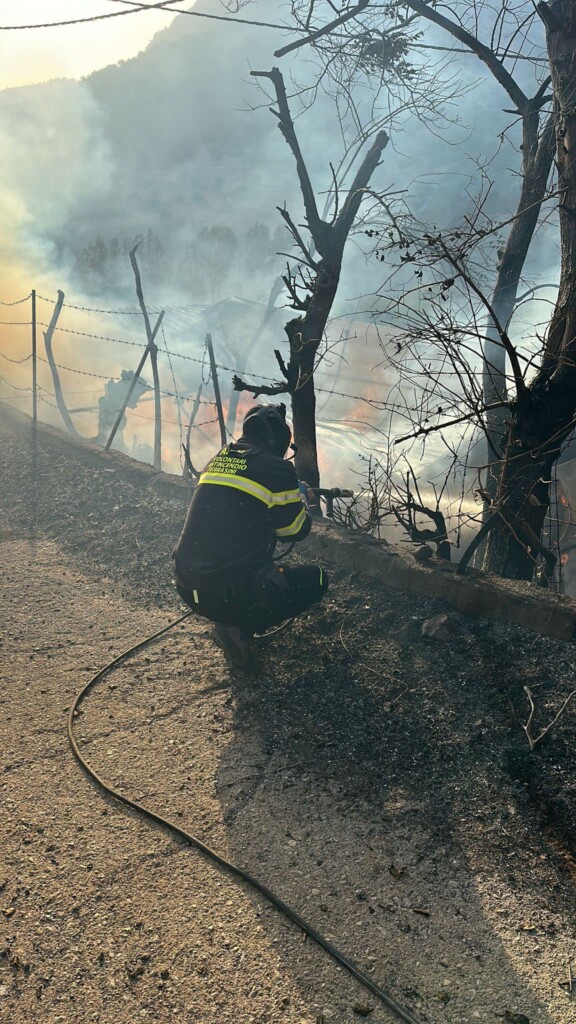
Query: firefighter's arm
289, 514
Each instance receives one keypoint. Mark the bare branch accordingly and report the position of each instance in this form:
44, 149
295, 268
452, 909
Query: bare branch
263, 389
533, 741
510, 350
308, 258
290, 282
451, 423
361, 6
347, 215
286, 125
483, 52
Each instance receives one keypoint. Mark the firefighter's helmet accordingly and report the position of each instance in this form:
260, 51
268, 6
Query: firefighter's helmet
267, 423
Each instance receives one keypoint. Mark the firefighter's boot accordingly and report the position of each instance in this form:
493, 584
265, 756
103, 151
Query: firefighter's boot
234, 643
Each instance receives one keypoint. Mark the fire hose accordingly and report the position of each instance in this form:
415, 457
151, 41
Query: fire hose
194, 841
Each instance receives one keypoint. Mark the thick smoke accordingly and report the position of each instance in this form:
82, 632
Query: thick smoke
165, 147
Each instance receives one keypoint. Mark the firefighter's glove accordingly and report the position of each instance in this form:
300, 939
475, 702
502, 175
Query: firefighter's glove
306, 493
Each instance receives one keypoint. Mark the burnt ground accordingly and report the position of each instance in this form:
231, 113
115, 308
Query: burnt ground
379, 780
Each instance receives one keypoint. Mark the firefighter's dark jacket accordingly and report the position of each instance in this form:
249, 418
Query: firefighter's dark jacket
246, 499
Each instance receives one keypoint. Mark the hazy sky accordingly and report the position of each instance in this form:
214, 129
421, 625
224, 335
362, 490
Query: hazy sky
74, 50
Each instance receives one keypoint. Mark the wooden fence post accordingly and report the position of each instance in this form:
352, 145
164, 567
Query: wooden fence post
135, 379
153, 349
58, 394
34, 363
216, 384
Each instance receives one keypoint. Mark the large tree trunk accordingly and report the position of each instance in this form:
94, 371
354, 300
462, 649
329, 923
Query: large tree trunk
304, 417
537, 161
543, 417
305, 335
522, 500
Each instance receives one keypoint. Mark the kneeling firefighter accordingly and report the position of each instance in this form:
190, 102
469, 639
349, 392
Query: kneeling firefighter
248, 497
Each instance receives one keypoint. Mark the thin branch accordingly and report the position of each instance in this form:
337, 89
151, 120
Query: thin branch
361, 6
510, 350
286, 126
336, 192
273, 389
483, 52
450, 423
290, 282
345, 219
533, 741
308, 258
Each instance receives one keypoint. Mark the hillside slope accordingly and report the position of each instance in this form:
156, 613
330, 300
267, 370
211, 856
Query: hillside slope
378, 779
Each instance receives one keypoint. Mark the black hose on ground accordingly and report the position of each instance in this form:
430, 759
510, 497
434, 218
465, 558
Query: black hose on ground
191, 840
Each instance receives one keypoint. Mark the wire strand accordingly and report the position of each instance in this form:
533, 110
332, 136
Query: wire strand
16, 361
118, 312
163, 6
18, 301
373, 403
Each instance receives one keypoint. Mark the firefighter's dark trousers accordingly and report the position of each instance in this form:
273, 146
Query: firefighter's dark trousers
270, 596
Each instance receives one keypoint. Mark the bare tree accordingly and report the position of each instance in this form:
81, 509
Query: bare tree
378, 36
525, 405
543, 412
313, 288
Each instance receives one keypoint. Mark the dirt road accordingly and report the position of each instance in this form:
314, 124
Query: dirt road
356, 772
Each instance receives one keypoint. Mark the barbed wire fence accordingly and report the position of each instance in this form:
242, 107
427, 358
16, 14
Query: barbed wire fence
96, 334
97, 327
105, 335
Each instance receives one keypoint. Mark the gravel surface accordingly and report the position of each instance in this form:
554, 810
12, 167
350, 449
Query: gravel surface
378, 780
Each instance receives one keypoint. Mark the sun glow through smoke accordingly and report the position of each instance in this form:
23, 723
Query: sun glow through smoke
72, 51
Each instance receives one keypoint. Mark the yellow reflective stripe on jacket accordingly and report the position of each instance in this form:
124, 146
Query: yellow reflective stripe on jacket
284, 497
294, 528
239, 483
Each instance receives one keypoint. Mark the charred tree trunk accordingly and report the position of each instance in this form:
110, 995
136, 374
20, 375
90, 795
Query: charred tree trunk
305, 334
543, 417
